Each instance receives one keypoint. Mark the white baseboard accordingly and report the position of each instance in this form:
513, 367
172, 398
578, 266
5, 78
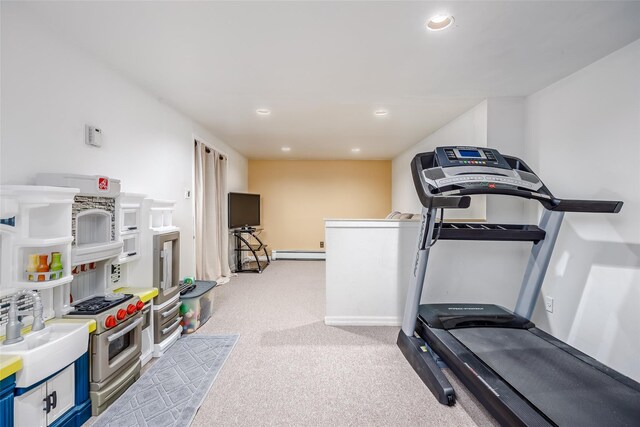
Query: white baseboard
282, 254
362, 321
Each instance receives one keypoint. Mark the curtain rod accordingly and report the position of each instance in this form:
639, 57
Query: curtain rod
208, 150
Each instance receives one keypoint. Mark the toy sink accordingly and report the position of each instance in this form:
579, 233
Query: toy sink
47, 351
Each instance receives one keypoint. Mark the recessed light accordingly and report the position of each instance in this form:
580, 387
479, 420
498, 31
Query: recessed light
355, 150
440, 22
263, 111
381, 112
286, 148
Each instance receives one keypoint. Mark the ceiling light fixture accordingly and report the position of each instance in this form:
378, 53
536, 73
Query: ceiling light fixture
381, 112
355, 150
439, 22
286, 149
263, 111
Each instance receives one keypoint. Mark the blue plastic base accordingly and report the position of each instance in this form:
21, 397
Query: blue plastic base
6, 409
8, 384
6, 400
67, 420
83, 413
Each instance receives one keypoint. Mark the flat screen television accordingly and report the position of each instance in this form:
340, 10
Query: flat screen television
244, 210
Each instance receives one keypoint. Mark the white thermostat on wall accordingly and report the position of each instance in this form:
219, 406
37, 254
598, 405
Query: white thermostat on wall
92, 136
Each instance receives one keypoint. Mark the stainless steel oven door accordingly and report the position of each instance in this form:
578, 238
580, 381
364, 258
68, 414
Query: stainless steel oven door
113, 349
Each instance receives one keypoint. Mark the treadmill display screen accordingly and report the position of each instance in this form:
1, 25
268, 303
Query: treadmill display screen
469, 153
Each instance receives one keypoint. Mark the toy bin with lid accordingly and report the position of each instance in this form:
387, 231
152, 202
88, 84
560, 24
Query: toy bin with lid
197, 305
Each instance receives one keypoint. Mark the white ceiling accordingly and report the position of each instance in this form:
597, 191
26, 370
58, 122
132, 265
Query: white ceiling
322, 68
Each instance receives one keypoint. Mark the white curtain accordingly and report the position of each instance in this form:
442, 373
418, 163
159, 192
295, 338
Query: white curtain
212, 235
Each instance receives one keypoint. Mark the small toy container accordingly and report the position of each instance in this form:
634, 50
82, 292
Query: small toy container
197, 305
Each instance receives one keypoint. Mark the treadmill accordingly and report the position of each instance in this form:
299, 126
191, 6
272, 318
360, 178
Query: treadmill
522, 375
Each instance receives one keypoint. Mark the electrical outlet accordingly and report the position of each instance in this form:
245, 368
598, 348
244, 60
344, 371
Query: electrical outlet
322, 244
548, 304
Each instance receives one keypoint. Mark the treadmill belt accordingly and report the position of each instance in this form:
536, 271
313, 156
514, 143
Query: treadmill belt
566, 389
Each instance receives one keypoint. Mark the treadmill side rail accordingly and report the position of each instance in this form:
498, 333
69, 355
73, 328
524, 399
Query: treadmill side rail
427, 369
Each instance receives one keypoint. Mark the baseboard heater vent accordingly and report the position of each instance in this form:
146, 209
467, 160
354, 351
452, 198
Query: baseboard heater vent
301, 255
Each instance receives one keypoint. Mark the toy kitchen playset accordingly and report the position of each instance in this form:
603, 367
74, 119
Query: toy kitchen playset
75, 248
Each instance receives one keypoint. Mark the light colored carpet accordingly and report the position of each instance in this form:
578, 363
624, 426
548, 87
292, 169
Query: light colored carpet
289, 368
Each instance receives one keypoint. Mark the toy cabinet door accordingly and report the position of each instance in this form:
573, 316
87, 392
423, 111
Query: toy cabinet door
61, 388
29, 408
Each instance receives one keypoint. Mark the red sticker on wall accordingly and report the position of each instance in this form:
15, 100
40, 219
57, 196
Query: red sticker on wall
103, 183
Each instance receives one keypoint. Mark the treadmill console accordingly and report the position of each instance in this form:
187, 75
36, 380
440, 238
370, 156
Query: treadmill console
470, 156
478, 170
446, 178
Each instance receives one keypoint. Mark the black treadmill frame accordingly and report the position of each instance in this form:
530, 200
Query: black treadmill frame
502, 400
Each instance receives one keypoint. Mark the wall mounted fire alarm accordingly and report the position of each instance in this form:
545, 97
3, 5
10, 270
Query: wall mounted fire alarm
92, 136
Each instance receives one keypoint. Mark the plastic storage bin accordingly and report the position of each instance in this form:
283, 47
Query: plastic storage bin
197, 305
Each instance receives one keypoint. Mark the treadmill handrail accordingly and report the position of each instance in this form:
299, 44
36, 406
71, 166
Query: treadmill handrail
593, 206
462, 200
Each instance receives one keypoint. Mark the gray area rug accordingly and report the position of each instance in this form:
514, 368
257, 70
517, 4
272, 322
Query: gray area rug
172, 390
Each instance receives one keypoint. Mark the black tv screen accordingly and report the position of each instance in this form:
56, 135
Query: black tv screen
244, 210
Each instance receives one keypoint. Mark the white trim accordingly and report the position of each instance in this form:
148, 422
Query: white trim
362, 321
371, 223
289, 254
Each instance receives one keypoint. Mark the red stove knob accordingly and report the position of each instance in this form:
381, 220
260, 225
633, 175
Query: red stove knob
110, 322
139, 305
121, 314
131, 309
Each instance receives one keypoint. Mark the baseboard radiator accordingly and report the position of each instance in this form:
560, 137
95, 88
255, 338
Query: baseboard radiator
299, 255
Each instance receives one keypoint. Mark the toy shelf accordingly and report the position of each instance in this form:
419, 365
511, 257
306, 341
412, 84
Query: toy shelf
43, 243
161, 215
36, 221
129, 213
39, 212
19, 256
130, 246
49, 284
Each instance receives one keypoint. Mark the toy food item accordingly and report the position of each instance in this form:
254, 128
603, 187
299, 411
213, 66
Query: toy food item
56, 265
32, 267
43, 267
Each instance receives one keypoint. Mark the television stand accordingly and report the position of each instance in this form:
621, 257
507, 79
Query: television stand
243, 238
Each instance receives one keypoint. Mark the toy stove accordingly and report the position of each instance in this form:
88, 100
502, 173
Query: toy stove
116, 345
96, 305
108, 311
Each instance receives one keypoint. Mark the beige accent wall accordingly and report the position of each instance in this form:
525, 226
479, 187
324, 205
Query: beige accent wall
297, 195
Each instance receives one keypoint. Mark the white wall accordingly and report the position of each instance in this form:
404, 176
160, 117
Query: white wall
583, 137
50, 90
469, 128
